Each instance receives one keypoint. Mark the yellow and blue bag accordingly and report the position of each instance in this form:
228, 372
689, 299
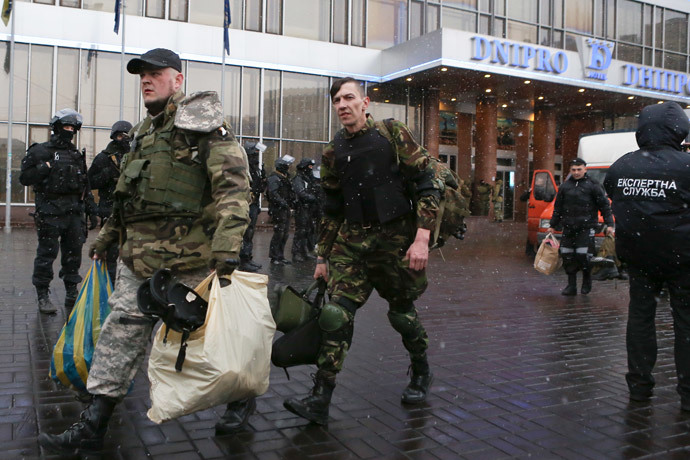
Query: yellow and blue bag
74, 349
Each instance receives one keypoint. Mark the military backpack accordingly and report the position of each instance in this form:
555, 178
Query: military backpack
453, 207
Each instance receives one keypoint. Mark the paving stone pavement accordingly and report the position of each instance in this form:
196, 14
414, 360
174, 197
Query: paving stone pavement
520, 372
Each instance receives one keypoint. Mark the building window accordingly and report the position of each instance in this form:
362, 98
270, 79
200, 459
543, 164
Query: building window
629, 53
271, 103
522, 32
253, 15
21, 66
524, 10
316, 27
178, 10
386, 23
357, 22
578, 16
71, 3
675, 31
629, 21
340, 21
274, 16
458, 19
674, 61
305, 107
250, 101
155, 9
41, 83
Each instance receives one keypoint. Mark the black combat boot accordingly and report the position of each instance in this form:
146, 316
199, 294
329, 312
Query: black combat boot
571, 288
44, 303
586, 282
248, 266
71, 294
606, 272
420, 382
315, 407
87, 434
236, 416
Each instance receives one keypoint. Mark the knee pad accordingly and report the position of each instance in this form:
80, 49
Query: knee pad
333, 317
404, 323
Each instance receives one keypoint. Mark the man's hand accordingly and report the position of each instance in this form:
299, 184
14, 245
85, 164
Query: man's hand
321, 270
223, 263
418, 252
96, 253
550, 230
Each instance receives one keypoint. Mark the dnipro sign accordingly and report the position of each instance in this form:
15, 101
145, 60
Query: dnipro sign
596, 57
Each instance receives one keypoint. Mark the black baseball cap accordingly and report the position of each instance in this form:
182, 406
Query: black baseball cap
156, 58
578, 162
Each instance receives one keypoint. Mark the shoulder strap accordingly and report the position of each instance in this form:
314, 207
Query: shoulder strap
385, 127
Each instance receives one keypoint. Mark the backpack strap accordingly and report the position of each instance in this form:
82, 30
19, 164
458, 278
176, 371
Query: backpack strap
385, 127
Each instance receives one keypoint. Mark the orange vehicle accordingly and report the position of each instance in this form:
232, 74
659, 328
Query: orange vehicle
599, 150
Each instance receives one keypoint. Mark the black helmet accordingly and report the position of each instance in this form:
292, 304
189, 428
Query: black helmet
305, 163
67, 117
283, 164
250, 148
179, 306
121, 126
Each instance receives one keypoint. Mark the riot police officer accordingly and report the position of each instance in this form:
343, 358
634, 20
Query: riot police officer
280, 200
304, 185
103, 175
257, 175
57, 171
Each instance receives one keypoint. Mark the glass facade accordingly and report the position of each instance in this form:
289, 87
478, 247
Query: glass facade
644, 33
291, 112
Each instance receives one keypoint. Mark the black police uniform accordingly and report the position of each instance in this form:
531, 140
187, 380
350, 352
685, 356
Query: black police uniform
576, 210
650, 190
103, 175
62, 196
280, 199
304, 185
257, 175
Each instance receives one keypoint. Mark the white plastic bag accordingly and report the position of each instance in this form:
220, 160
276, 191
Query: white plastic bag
228, 358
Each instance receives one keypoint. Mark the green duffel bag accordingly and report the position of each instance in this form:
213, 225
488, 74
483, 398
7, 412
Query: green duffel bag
294, 308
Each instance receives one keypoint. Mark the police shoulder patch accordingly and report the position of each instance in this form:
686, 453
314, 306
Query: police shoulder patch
201, 112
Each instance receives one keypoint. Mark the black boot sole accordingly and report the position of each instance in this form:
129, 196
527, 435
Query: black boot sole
224, 429
413, 402
297, 410
48, 443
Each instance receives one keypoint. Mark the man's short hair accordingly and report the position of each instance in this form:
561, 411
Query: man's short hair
335, 87
578, 162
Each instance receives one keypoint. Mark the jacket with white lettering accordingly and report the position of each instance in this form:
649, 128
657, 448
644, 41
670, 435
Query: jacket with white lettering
650, 190
578, 204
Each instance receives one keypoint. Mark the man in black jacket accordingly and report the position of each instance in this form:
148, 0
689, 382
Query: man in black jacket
576, 210
305, 188
257, 175
281, 198
103, 175
650, 190
57, 172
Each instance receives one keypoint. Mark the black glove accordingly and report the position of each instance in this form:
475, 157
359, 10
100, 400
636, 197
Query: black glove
93, 221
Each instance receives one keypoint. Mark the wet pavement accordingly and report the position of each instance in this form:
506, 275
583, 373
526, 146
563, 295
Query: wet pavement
520, 372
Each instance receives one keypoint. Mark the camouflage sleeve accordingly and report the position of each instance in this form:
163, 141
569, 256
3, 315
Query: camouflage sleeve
228, 171
414, 161
109, 234
332, 205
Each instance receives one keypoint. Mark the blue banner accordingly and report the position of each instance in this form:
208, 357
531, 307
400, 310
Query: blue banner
226, 24
116, 29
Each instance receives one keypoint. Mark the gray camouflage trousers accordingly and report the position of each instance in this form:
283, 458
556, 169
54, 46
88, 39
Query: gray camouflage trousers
125, 335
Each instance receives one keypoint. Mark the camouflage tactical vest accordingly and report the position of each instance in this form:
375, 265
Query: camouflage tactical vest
154, 183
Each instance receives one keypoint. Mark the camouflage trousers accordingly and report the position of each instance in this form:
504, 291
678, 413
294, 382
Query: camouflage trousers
498, 211
125, 335
362, 260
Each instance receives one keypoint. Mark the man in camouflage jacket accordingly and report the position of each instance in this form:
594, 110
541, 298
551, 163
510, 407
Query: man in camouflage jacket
373, 236
181, 203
